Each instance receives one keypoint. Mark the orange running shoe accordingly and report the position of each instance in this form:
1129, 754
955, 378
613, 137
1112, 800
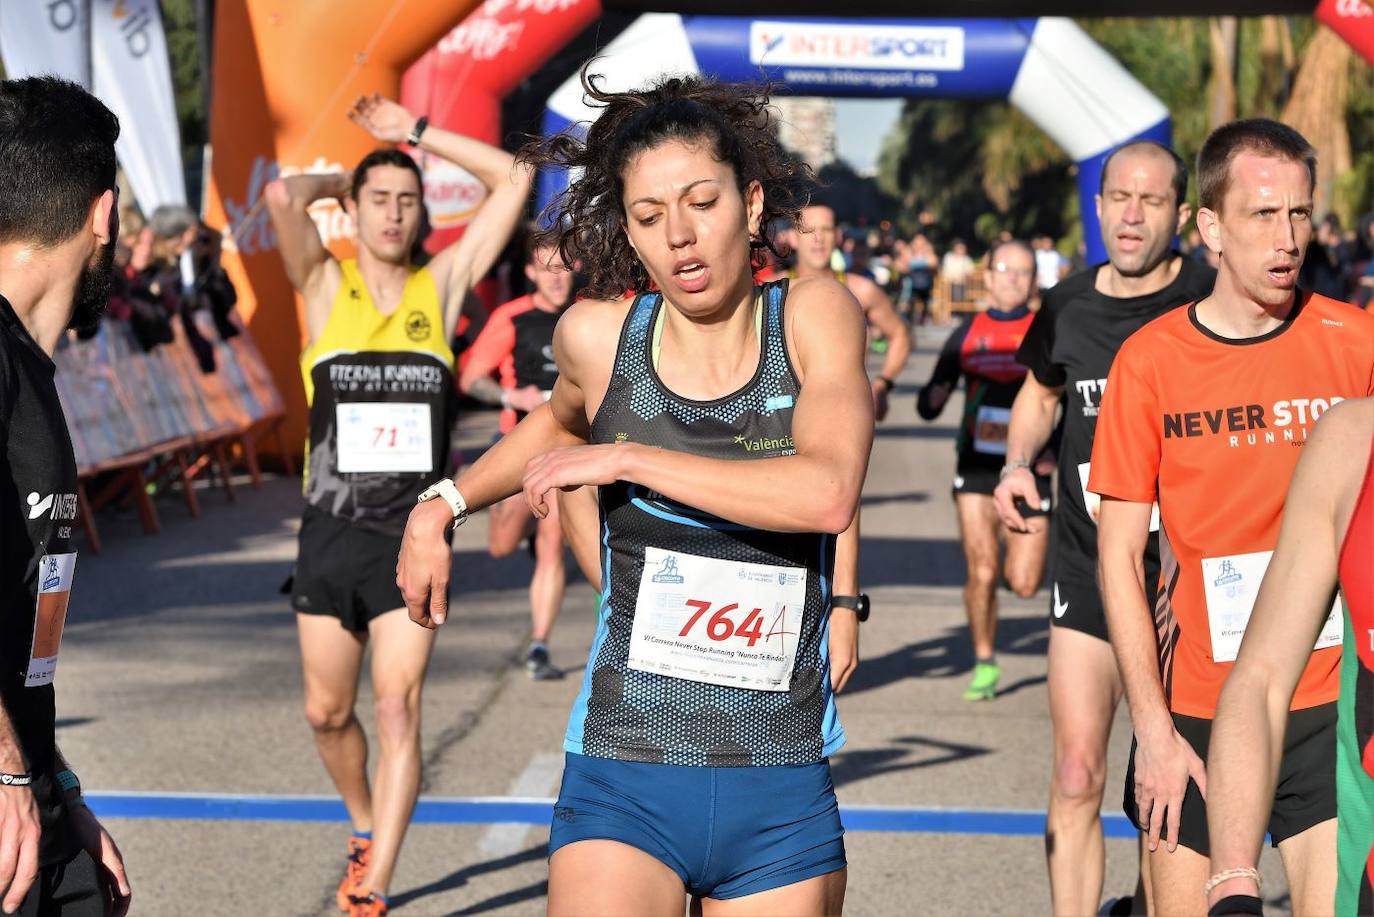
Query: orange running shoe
359, 850
370, 905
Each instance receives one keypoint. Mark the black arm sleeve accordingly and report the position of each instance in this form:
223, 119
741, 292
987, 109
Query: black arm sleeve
947, 372
1036, 352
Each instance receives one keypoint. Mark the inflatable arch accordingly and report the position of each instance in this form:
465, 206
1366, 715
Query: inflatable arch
1049, 68
280, 97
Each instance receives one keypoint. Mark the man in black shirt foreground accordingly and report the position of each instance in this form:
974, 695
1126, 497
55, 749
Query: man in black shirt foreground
58, 225
1068, 349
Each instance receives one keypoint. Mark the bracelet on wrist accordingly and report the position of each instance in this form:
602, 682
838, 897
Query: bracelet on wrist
888, 384
20, 779
1226, 875
1009, 467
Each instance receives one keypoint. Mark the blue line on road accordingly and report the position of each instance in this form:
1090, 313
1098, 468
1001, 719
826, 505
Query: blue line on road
505, 810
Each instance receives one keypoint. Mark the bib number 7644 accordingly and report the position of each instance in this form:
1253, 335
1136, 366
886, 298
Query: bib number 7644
721, 627
721, 622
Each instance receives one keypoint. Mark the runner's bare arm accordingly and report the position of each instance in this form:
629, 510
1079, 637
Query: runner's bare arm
1247, 735
580, 517
460, 266
1164, 760
309, 265
844, 622
422, 570
1032, 423
814, 490
880, 314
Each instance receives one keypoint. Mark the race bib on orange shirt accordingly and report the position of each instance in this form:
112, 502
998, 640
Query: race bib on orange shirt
55, 572
1231, 585
720, 622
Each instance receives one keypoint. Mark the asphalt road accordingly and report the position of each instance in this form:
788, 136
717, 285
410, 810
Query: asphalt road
180, 675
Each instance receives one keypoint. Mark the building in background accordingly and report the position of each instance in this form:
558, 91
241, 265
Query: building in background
807, 127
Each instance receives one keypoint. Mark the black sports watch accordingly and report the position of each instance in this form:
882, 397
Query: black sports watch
421, 123
857, 603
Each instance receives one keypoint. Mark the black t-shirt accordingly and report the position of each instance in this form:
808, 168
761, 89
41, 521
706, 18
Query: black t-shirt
1071, 344
38, 506
532, 354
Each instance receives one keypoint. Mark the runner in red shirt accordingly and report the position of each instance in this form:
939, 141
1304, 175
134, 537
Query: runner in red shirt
1204, 410
982, 350
517, 345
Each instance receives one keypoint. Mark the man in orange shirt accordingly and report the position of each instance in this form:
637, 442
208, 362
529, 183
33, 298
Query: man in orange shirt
1205, 409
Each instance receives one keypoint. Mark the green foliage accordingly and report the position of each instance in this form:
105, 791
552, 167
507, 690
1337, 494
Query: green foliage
183, 52
983, 167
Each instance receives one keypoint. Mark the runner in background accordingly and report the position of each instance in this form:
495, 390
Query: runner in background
982, 351
813, 241
379, 378
1204, 409
1326, 541
517, 344
1142, 205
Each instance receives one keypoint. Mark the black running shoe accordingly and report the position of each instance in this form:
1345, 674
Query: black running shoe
539, 667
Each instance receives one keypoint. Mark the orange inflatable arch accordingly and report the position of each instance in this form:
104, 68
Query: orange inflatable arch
284, 75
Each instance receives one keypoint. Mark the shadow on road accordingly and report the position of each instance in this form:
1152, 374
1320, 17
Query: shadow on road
528, 893
914, 432
916, 496
461, 877
949, 654
851, 767
911, 562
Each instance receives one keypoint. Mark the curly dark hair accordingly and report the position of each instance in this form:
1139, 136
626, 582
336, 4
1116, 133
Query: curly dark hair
587, 221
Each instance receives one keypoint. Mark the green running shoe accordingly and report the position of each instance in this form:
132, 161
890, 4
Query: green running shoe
984, 684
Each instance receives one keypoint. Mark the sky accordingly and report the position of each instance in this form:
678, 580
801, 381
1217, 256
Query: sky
860, 126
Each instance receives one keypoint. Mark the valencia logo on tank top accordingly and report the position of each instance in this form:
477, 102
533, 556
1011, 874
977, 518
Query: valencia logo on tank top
380, 389
711, 646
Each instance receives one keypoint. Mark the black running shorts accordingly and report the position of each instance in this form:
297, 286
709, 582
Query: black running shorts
1306, 794
973, 479
1076, 603
344, 571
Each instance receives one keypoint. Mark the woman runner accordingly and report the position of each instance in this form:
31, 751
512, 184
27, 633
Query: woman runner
728, 427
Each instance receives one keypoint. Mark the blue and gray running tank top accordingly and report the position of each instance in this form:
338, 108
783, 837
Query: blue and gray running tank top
711, 646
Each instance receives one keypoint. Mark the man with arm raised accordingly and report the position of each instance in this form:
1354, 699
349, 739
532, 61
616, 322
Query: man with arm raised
378, 373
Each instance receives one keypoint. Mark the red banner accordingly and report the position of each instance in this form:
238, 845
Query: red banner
1353, 20
460, 84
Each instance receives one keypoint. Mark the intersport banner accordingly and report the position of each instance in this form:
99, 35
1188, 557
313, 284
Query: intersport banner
1353, 20
45, 36
460, 84
131, 75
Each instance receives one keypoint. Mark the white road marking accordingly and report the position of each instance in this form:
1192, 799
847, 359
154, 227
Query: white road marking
539, 778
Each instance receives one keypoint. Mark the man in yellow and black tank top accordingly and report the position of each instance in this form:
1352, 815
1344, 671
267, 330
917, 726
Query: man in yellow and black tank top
378, 375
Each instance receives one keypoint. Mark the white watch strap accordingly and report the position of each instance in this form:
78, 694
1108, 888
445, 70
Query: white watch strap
449, 492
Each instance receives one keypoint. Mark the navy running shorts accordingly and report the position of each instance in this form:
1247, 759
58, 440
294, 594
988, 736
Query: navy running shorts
726, 831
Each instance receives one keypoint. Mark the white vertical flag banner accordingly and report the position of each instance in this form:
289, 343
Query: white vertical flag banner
131, 75
44, 37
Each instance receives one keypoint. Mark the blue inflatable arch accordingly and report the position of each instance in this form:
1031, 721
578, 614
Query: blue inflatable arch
1049, 68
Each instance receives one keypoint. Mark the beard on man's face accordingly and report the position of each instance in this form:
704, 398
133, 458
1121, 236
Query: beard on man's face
93, 288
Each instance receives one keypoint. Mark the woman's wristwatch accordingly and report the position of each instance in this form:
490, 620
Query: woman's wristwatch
446, 490
857, 603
